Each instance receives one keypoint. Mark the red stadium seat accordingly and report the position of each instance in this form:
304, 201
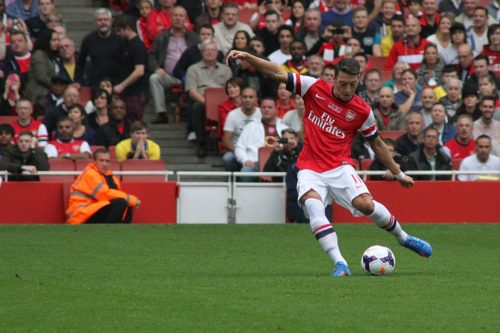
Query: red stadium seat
455, 163
385, 75
60, 164
85, 95
264, 154
7, 119
365, 163
94, 148
246, 14
391, 134
112, 151
214, 97
143, 165
377, 62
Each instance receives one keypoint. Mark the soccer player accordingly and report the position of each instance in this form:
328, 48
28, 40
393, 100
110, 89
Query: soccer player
333, 116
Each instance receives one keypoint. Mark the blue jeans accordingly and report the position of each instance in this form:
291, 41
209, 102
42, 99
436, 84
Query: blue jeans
249, 179
230, 161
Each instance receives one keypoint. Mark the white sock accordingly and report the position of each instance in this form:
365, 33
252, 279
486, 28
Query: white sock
385, 220
323, 230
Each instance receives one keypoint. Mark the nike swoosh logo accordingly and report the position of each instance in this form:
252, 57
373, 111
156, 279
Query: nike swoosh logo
320, 97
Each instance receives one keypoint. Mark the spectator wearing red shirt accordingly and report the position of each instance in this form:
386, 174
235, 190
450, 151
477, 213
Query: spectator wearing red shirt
19, 59
234, 86
25, 122
161, 19
409, 49
66, 146
285, 102
212, 14
430, 20
492, 49
145, 7
463, 144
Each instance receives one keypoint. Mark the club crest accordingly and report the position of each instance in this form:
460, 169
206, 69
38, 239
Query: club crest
350, 115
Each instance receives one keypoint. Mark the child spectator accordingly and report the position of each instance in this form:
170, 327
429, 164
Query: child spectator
77, 114
138, 147
145, 7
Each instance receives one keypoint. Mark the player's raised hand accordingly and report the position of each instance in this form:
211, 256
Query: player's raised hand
234, 55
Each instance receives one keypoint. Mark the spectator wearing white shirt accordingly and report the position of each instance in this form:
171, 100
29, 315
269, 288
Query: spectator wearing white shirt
235, 122
483, 160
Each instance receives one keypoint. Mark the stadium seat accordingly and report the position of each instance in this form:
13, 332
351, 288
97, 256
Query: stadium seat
455, 163
377, 62
391, 134
214, 97
94, 148
264, 154
144, 165
246, 14
7, 119
112, 151
85, 95
365, 163
385, 75
60, 164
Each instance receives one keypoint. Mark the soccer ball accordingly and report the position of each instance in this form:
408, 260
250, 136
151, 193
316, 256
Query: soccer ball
378, 260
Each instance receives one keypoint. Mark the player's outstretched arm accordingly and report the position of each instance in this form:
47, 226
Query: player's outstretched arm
265, 67
384, 155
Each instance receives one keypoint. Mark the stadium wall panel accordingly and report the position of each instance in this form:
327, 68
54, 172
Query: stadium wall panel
45, 202
434, 202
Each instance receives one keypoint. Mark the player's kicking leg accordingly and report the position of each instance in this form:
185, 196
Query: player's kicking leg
323, 231
381, 216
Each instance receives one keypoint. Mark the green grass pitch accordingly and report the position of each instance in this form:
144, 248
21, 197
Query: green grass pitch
243, 278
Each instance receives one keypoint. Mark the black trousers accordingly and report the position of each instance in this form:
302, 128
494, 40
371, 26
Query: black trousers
116, 212
198, 117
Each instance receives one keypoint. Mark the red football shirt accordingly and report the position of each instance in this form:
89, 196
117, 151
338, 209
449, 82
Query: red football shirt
330, 125
459, 150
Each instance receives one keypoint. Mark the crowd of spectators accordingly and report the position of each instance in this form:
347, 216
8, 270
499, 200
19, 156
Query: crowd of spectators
440, 69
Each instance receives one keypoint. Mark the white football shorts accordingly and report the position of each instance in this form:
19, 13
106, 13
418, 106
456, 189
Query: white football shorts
341, 185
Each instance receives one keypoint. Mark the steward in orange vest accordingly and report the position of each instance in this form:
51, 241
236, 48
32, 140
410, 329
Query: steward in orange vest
96, 195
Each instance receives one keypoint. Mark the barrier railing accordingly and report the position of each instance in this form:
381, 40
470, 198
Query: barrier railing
179, 175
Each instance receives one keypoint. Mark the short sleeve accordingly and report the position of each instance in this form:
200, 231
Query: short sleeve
85, 148
50, 150
369, 127
299, 84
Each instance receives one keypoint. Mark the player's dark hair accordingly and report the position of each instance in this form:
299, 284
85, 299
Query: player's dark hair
349, 66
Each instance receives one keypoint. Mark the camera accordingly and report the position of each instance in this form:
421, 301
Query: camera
283, 140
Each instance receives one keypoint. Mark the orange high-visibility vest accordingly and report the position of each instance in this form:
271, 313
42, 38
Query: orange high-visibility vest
90, 192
